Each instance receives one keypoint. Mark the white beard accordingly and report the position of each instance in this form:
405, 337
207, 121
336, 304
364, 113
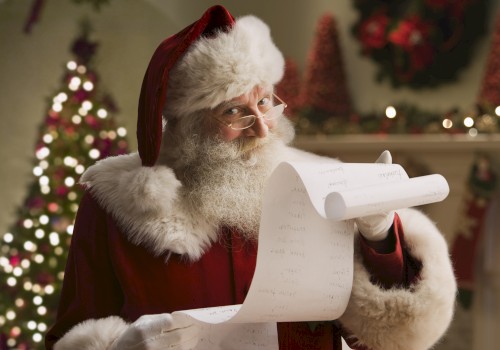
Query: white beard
224, 181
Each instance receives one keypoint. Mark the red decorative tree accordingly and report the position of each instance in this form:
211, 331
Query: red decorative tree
489, 94
481, 186
289, 88
79, 128
325, 91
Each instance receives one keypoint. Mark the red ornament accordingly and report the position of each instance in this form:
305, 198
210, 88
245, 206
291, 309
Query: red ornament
45, 278
15, 260
62, 191
372, 32
412, 35
52, 207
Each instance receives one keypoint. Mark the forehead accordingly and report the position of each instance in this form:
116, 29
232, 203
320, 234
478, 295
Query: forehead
257, 93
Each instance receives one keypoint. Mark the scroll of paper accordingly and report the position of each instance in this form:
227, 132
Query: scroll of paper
305, 259
368, 200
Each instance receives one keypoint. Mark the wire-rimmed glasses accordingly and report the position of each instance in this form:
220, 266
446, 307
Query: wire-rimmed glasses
249, 120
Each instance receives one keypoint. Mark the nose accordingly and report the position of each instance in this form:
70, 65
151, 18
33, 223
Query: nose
260, 128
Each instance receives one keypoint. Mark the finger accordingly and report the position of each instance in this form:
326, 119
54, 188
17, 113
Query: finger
385, 158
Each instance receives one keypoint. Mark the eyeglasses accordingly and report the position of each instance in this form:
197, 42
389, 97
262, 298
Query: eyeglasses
249, 120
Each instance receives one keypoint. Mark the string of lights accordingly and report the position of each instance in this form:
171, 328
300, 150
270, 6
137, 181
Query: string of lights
78, 129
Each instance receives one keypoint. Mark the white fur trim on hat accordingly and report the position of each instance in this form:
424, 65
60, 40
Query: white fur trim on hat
220, 68
92, 334
399, 318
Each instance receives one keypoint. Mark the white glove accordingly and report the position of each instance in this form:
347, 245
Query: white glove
155, 332
376, 227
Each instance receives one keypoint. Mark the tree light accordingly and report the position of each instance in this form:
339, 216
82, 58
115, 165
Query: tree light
473, 132
44, 180
122, 132
39, 233
94, 153
102, 113
54, 238
10, 315
70, 161
15, 331
37, 300
497, 111
44, 164
88, 86
468, 122
69, 181
72, 195
60, 98
25, 263
74, 83
8, 237
49, 289
44, 219
28, 223
390, 112
30, 246
37, 171
447, 123
83, 112
37, 337
48, 138
79, 169
42, 310
71, 65
76, 119
87, 105
42, 153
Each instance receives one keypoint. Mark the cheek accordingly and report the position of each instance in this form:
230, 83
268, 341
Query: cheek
214, 128
228, 134
272, 123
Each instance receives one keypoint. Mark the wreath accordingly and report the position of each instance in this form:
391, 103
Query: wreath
419, 43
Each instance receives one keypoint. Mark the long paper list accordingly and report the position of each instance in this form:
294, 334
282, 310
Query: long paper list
305, 260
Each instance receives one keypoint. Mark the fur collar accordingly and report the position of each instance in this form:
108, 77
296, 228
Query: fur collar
145, 203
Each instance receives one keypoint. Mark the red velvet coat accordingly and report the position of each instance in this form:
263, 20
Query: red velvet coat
107, 275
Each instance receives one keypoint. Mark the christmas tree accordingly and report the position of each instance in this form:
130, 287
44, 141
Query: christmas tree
78, 130
289, 88
489, 95
325, 93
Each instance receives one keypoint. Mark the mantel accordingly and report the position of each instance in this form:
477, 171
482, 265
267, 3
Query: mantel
427, 142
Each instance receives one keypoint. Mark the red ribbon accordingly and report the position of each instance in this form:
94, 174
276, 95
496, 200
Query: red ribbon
36, 8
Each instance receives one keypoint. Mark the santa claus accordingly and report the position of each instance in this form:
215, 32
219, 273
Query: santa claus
175, 226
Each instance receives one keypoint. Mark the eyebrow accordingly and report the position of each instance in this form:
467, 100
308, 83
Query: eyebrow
230, 104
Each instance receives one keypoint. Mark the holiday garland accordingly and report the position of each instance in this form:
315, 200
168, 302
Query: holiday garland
419, 43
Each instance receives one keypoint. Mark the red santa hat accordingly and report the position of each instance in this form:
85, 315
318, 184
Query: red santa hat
213, 60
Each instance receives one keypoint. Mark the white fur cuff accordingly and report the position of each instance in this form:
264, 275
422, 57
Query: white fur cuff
414, 318
92, 334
